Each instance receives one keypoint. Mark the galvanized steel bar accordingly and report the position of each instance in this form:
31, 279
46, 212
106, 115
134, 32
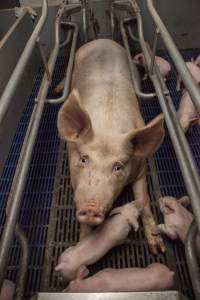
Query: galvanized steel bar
191, 255
9, 90
68, 75
133, 69
20, 177
84, 11
186, 76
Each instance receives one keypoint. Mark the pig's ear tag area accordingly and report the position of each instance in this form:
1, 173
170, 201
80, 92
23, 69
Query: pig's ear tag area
146, 141
73, 121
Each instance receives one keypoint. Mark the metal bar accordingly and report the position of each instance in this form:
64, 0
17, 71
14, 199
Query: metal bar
23, 265
19, 182
182, 149
67, 41
112, 21
84, 11
22, 62
186, 76
133, 69
69, 68
44, 59
154, 50
191, 255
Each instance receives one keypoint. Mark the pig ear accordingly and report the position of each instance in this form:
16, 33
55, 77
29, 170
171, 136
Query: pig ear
146, 141
73, 121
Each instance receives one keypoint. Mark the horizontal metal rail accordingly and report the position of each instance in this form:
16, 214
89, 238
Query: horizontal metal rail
191, 255
20, 177
9, 90
69, 69
186, 76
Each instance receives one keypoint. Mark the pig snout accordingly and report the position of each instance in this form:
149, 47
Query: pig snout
91, 214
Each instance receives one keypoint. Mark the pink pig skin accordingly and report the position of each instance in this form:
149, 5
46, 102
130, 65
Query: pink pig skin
8, 290
89, 250
155, 277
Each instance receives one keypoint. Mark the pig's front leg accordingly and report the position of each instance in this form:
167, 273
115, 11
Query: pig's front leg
154, 239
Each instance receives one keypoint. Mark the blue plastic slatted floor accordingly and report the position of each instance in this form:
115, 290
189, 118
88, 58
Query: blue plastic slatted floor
38, 194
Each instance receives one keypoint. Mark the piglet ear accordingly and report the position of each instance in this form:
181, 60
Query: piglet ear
146, 141
73, 121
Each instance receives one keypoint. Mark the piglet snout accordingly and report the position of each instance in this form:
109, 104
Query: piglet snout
91, 215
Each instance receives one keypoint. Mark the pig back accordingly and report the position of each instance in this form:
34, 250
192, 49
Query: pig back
102, 77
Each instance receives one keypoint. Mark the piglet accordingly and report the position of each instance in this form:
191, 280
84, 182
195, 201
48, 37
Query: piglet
177, 219
187, 114
110, 234
162, 64
7, 290
155, 277
193, 67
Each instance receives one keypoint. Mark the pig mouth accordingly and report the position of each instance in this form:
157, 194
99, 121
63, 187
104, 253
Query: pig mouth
90, 216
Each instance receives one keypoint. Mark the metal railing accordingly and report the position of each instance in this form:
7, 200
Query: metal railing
21, 65
19, 181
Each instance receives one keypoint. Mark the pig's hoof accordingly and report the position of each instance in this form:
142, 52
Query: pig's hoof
155, 240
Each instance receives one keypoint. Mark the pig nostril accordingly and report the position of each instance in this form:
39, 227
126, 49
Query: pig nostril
82, 213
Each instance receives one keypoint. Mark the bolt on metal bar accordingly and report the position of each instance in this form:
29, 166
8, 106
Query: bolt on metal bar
69, 69
23, 265
19, 181
9, 90
189, 83
133, 69
191, 255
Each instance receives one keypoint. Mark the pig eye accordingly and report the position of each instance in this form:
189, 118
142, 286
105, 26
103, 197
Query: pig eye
84, 159
118, 167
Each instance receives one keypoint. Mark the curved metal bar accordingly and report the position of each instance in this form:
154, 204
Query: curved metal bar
68, 75
133, 69
68, 38
181, 147
23, 265
191, 255
22, 62
20, 177
186, 76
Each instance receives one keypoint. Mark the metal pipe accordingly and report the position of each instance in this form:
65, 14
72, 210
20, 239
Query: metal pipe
23, 265
154, 50
9, 90
181, 147
191, 255
186, 76
67, 40
69, 68
133, 69
84, 10
19, 182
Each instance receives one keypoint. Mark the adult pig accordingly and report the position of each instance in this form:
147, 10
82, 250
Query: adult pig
108, 141
90, 249
155, 277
